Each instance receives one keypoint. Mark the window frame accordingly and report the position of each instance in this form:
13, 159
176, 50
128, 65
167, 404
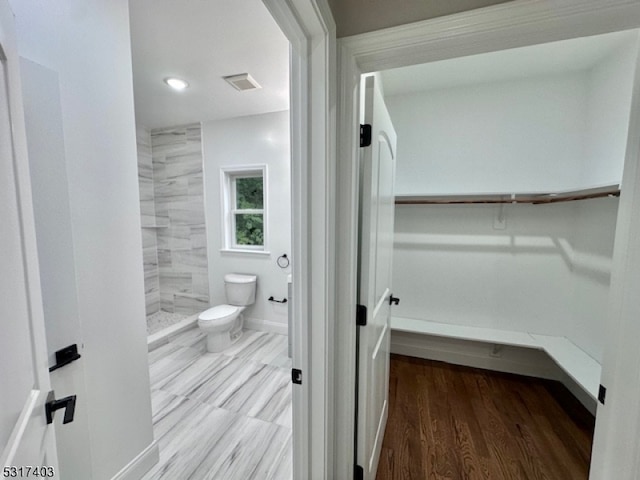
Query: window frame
228, 177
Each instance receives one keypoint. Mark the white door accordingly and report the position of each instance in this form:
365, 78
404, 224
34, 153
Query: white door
25, 438
377, 171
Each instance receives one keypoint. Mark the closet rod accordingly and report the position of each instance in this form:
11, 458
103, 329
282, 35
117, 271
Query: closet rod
535, 199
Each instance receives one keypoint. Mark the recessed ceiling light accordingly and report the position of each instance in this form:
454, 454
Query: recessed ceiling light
176, 83
242, 82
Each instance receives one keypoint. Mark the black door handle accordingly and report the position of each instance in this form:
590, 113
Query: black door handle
393, 300
68, 403
66, 356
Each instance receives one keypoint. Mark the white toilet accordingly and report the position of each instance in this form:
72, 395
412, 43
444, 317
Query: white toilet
223, 323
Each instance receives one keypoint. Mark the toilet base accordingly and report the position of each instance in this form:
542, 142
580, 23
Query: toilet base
219, 341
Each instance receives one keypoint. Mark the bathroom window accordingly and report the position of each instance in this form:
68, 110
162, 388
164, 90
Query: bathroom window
244, 204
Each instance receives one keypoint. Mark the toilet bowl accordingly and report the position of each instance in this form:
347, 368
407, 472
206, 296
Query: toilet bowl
223, 323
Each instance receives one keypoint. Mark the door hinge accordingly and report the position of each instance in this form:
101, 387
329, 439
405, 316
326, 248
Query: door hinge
602, 394
361, 315
358, 473
296, 376
365, 135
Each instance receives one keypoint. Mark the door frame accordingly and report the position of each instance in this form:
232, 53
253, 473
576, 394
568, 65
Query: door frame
509, 25
309, 27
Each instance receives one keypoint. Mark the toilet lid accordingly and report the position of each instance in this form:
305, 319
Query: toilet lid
217, 312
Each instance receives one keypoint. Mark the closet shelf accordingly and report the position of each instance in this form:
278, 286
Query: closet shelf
497, 198
582, 368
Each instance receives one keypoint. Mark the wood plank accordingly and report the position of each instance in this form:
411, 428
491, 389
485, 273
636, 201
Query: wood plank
452, 422
501, 198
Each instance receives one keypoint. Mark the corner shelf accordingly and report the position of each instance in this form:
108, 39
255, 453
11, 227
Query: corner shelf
579, 365
612, 190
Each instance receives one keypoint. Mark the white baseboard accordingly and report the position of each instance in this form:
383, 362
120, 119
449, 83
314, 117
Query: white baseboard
140, 465
517, 360
266, 326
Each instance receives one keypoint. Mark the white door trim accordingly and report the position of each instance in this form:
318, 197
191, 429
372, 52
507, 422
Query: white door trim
509, 25
309, 26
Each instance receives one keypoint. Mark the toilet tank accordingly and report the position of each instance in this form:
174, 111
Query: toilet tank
240, 288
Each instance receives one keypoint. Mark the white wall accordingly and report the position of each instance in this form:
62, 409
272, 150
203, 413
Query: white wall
609, 107
595, 227
514, 136
548, 271
545, 133
86, 42
251, 140
451, 266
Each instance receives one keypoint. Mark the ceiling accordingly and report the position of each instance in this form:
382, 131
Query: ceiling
550, 58
202, 41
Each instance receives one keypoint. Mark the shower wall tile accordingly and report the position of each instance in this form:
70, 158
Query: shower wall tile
152, 291
176, 238
147, 218
163, 239
186, 214
181, 166
179, 203
147, 207
150, 261
198, 237
145, 165
200, 284
196, 186
172, 282
143, 140
194, 261
164, 260
190, 303
166, 302
174, 190
158, 169
146, 191
149, 238
152, 302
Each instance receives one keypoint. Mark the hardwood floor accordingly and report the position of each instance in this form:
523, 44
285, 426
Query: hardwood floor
452, 422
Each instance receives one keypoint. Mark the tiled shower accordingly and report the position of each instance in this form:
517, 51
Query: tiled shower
170, 173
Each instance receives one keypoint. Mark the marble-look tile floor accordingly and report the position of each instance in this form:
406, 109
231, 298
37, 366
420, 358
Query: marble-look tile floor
222, 416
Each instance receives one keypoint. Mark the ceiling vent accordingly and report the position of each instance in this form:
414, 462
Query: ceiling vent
242, 82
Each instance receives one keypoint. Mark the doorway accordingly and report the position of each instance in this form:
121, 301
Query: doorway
215, 185
109, 192
373, 53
